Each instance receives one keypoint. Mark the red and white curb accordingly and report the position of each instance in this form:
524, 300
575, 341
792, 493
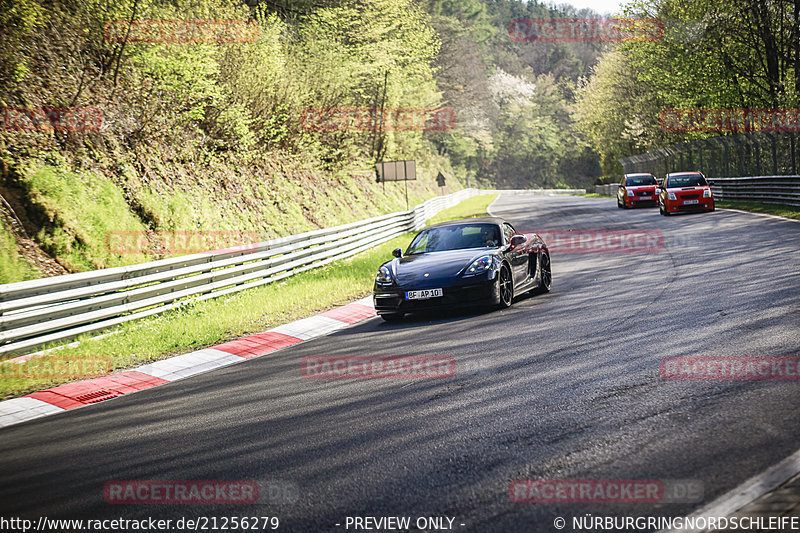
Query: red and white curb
79, 394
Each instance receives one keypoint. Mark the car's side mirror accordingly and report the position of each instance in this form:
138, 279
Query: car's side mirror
621, 186
518, 240
710, 183
397, 252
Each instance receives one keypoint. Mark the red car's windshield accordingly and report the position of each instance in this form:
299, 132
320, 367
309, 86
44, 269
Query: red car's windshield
640, 180
687, 180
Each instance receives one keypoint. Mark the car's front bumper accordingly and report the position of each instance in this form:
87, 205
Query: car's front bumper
677, 206
639, 200
472, 292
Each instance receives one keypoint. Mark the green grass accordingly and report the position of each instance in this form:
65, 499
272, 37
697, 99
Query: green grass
787, 211
595, 195
84, 210
201, 324
469, 208
12, 266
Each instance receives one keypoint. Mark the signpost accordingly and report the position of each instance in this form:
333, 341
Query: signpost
396, 171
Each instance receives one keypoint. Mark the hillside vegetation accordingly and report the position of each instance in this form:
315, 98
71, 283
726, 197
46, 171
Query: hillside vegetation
211, 136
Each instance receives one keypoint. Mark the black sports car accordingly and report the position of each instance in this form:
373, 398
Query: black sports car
476, 261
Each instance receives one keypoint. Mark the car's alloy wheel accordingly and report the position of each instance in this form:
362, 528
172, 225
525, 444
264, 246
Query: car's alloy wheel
505, 287
545, 275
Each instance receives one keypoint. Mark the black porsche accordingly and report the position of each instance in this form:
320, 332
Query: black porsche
470, 262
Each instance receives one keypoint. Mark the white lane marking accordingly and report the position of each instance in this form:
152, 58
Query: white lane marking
308, 328
189, 364
747, 492
489, 207
18, 410
765, 215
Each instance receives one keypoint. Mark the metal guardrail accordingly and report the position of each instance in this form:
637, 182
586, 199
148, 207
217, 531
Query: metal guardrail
765, 189
755, 153
609, 189
35, 313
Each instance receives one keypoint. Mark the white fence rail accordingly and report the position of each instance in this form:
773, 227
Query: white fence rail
609, 189
766, 189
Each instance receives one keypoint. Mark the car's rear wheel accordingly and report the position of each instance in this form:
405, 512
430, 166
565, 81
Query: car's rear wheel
545, 274
392, 317
504, 288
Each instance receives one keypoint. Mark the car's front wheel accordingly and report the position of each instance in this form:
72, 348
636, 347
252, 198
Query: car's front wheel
545, 274
504, 288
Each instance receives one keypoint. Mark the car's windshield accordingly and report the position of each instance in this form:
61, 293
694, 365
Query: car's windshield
455, 237
686, 180
640, 180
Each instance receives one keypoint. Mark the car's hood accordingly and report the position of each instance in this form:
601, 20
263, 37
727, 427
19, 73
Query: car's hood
694, 188
640, 187
436, 264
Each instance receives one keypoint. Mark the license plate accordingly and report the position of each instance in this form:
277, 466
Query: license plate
646, 197
690, 202
423, 294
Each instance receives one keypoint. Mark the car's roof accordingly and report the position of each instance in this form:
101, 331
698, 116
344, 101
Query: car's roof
638, 174
481, 220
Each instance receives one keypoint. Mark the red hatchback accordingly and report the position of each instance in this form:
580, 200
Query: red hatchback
685, 191
637, 189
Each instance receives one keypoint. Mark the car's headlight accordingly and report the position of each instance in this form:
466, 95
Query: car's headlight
384, 275
671, 196
707, 193
479, 266
630, 192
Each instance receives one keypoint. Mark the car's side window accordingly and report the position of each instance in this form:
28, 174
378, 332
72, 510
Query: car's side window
508, 231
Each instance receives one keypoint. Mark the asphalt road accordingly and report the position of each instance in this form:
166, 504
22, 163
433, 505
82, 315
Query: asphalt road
559, 386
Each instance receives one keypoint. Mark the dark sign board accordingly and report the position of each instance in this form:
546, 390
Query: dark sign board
396, 170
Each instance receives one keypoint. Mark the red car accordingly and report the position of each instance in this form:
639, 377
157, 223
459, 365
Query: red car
685, 191
637, 189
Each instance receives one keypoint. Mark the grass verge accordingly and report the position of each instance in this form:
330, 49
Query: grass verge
201, 324
787, 211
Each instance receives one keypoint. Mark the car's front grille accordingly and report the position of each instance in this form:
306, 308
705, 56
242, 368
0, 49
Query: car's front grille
689, 196
645, 193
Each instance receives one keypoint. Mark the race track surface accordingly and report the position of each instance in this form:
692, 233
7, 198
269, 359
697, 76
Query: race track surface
564, 385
